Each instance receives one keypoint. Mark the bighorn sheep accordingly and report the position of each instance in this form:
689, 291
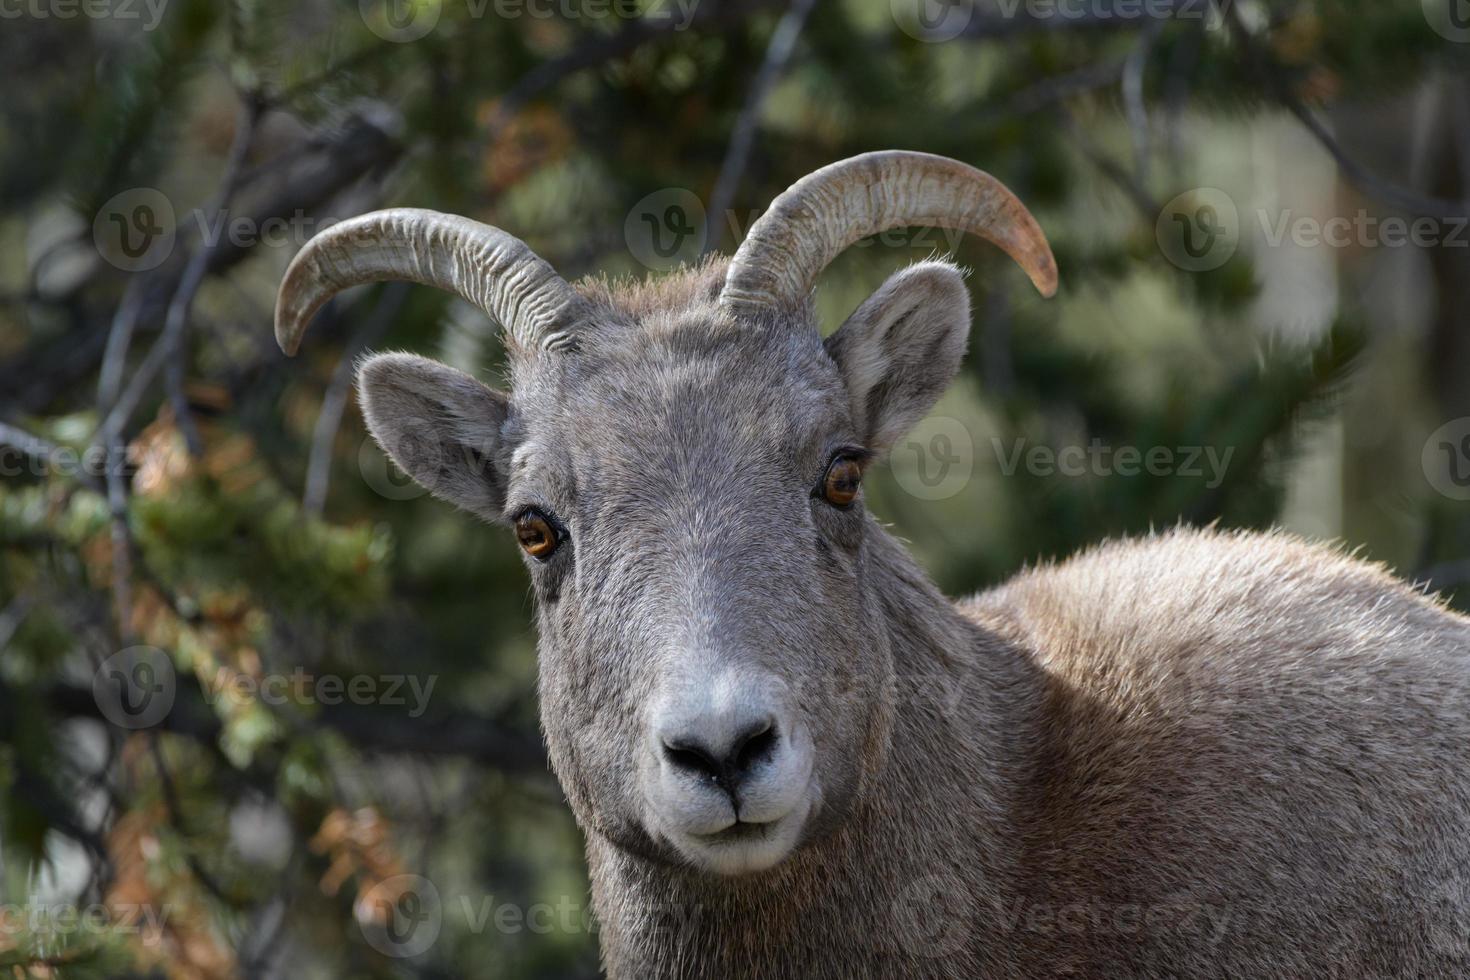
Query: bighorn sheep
1198, 754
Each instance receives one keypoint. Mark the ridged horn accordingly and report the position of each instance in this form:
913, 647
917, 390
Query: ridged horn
817, 217
483, 265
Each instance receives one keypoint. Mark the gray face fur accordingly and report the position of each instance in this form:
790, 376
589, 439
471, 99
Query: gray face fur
715, 677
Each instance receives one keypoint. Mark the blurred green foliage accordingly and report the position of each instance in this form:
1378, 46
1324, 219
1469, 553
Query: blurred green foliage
264, 826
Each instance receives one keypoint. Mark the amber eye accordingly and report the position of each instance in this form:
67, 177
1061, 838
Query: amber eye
840, 485
536, 534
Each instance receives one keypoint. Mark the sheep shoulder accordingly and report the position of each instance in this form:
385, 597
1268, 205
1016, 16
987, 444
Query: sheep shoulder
1252, 737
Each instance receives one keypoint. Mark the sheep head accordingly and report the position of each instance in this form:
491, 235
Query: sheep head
682, 468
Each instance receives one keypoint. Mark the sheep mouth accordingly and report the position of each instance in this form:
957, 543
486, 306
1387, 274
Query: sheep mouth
744, 847
714, 833
739, 832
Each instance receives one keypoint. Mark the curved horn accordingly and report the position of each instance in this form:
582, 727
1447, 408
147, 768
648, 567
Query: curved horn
483, 265
826, 211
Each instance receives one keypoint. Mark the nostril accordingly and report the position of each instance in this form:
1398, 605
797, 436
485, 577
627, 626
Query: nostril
692, 757
754, 747
731, 762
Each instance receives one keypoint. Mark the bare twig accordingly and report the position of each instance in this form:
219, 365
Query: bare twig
1459, 102
122, 543
1354, 172
1112, 169
490, 743
176, 322
258, 947
119, 338
43, 451
175, 819
169, 350
288, 185
1182, 62
38, 264
312, 83
604, 48
329, 419
997, 361
1137, 111
1045, 94
174, 348
742, 136
14, 616
1363, 179
122, 410
58, 811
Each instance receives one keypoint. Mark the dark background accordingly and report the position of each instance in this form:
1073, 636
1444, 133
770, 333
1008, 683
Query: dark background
184, 509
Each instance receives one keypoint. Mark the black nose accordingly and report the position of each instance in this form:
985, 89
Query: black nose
728, 765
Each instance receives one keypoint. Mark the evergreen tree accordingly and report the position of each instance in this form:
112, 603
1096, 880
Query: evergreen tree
183, 509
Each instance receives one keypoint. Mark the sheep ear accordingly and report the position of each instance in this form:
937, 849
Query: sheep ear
900, 350
441, 426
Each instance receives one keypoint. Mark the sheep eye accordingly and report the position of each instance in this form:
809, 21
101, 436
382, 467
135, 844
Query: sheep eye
840, 484
537, 536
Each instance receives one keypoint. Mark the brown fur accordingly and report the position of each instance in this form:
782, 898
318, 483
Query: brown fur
640, 300
1197, 754
1192, 755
